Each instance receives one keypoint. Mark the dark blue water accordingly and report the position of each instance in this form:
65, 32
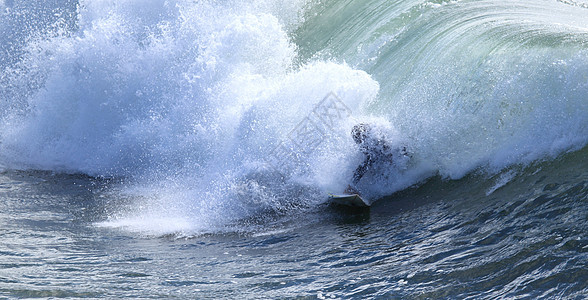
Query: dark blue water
445, 239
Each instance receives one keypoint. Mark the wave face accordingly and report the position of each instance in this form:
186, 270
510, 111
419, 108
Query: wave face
474, 83
189, 101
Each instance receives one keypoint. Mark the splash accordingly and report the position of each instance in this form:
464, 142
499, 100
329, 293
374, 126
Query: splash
183, 99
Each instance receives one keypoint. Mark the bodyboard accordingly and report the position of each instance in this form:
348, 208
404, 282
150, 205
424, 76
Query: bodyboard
353, 200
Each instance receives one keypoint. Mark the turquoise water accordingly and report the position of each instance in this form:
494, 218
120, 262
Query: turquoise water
184, 149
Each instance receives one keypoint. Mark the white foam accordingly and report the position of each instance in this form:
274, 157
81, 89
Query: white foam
501, 181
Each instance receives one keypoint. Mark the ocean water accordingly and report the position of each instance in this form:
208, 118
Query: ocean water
159, 149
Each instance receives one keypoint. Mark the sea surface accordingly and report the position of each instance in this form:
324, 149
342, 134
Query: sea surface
186, 149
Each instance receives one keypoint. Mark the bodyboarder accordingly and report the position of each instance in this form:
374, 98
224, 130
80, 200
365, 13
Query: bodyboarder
374, 149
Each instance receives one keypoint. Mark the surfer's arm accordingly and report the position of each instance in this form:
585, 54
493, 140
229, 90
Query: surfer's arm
362, 169
359, 172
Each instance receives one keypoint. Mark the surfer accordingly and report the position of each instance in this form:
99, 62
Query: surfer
375, 150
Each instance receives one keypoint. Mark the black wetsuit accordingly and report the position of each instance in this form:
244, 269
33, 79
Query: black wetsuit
375, 150
365, 166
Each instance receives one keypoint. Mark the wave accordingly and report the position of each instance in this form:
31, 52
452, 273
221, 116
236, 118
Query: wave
189, 101
473, 82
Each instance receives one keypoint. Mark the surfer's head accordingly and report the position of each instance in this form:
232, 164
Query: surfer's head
360, 132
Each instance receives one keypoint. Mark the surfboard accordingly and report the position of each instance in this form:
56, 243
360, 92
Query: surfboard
353, 200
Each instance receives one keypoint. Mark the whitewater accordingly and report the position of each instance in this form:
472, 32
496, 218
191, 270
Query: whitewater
179, 123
